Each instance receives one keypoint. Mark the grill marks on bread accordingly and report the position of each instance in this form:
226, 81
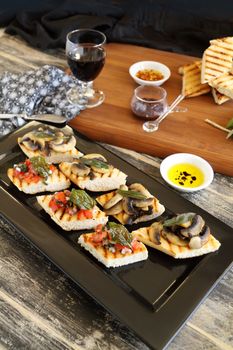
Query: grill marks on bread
191, 80
217, 59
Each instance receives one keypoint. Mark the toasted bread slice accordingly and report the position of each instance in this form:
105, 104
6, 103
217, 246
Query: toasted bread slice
218, 97
177, 252
181, 68
53, 157
123, 217
217, 59
70, 222
55, 182
109, 258
224, 84
101, 182
191, 81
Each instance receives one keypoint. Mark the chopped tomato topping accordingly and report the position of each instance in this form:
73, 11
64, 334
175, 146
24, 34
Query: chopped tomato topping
52, 167
58, 201
98, 237
61, 197
83, 214
53, 205
136, 245
119, 246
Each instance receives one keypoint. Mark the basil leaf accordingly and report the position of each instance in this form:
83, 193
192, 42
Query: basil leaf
131, 194
40, 165
82, 199
179, 219
120, 234
230, 124
95, 162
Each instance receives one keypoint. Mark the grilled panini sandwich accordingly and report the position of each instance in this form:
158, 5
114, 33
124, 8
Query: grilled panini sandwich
73, 210
92, 172
191, 80
183, 236
55, 145
224, 84
131, 204
218, 97
36, 175
113, 245
217, 59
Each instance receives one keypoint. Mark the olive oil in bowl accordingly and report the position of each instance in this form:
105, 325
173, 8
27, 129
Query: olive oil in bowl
186, 175
186, 172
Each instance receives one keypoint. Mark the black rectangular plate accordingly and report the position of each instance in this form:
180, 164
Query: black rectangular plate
154, 297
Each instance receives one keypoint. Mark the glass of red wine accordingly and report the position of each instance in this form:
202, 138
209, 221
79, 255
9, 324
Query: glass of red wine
86, 57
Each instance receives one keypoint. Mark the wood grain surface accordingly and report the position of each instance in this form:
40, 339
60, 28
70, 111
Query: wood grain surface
113, 122
42, 309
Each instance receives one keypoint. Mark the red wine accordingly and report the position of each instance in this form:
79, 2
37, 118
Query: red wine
86, 62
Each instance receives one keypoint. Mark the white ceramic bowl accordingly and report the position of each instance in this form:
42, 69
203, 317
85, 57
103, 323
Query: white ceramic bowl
149, 65
179, 158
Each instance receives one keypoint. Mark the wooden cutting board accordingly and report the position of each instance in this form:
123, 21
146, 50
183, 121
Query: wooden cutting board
114, 123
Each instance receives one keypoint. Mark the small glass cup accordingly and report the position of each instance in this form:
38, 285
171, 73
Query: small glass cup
149, 102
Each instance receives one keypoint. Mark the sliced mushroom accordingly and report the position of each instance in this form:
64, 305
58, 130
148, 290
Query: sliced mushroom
63, 145
102, 170
80, 169
197, 242
141, 203
124, 187
127, 205
173, 238
114, 200
30, 144
95, 156
116, 209
140, 188
195, 228
155, 232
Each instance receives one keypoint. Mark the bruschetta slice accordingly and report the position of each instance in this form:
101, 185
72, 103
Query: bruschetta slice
94, 173
183, 236
131, 204
113, 245
35, 175
54, 144
73, 210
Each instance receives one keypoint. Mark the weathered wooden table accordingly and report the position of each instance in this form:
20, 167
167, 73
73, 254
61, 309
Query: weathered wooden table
42, 309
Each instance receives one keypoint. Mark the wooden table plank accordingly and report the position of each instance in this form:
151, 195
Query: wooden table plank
114, 123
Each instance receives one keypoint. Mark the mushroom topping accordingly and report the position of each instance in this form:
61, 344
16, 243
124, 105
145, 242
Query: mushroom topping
116, 209
127, 205
63, 144
173, 238
114, 200
95, 156
142, 203
197, 242
80, 169
140, 188
155, 232
30, 144
195, 228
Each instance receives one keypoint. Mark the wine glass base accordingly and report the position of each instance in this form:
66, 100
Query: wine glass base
149, 127
91, 98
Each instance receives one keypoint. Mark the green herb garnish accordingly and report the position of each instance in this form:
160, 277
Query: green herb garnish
179, 219
40, 165
94, 162
131, 194
81, 199
120, 234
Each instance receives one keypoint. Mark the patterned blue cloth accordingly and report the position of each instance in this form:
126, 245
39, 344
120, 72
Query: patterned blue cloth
38, 91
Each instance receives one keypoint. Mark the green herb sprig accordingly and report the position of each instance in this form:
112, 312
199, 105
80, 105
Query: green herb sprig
131, 194
119, 234
82, 199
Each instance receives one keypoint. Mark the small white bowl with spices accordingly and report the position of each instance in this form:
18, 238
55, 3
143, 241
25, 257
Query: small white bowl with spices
186, 172
149, 73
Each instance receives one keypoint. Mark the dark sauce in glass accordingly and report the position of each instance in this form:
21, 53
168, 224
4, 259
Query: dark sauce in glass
86, 62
